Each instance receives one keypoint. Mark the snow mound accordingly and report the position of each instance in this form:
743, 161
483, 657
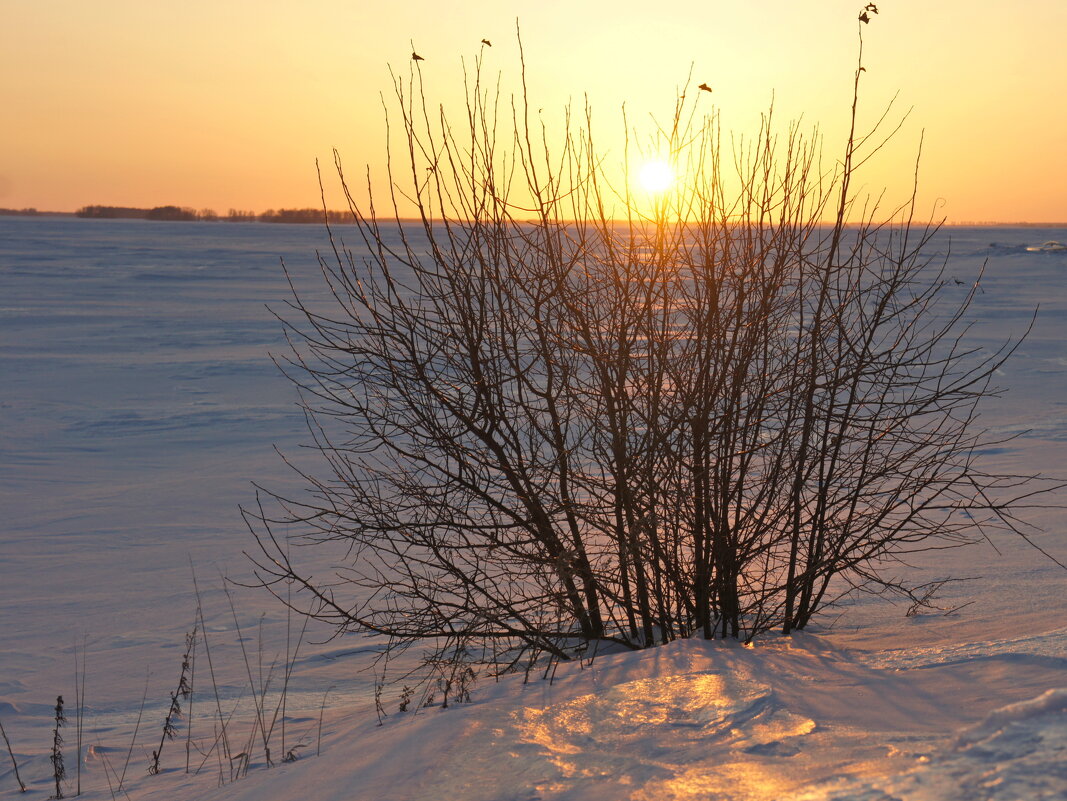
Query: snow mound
996, 722
1016, 752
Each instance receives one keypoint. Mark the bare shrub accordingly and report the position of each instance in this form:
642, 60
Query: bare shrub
553, 413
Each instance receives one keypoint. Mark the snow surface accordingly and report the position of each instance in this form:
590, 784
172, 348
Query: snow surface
138, 402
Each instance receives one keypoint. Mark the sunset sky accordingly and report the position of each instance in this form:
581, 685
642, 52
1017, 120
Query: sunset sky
226, 104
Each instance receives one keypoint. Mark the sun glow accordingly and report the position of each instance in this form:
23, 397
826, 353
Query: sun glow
656, 176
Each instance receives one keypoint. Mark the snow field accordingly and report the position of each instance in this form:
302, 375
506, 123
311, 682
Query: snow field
137, 403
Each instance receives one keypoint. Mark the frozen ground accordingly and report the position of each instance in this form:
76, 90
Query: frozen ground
137, 402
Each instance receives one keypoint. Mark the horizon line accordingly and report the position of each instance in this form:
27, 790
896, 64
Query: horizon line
246, 215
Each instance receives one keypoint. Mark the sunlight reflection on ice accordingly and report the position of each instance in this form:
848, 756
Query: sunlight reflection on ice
683, 734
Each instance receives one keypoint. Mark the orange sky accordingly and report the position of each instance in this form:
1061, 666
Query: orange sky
226, 104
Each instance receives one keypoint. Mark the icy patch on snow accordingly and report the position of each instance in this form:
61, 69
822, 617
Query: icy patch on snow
1050, 644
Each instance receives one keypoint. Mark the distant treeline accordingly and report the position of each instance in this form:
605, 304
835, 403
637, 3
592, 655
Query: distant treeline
32, 212
184, 214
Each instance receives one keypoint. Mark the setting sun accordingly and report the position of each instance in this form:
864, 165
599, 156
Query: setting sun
656, 176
